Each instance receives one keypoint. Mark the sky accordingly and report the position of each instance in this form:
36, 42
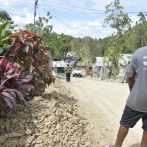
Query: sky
77, 18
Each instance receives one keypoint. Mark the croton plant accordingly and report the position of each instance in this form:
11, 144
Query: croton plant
28, 51
13, 85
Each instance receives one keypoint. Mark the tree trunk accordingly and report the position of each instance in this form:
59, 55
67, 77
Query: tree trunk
75, 63
114, 70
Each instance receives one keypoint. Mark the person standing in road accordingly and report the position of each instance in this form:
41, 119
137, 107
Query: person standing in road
136, 105
68, 71
125, 71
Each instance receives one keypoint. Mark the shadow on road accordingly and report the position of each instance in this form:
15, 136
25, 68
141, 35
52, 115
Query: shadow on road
136, 145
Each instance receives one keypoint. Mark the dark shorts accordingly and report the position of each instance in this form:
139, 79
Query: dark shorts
130, 117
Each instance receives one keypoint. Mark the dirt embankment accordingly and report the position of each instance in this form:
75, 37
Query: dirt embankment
51, 120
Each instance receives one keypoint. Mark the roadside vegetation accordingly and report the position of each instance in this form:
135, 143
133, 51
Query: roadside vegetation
23, 51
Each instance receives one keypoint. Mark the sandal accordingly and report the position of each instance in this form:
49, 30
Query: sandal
105, 146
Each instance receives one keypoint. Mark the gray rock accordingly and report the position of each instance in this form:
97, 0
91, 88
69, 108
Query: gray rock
8, 126
30, 139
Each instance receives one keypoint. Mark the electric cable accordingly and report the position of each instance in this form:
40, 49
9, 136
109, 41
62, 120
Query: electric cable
81, 8
75, 11
63, 22
73, 6
38, 10
16, 14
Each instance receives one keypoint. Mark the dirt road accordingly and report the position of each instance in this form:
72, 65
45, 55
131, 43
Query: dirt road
103, 103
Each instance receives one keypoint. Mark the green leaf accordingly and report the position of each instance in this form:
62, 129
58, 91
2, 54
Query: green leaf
1, 50
4, 41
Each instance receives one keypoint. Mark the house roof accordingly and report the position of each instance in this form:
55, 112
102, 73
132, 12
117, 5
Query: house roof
99, 61
59, 64
125, 58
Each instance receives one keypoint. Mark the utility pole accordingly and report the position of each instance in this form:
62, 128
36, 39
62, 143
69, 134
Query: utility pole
36, 1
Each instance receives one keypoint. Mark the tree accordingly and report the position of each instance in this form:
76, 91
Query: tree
44, 29
142, 18
64, 44
136, 36
119, 21
4, 32
5, 16
58, 42
85, 48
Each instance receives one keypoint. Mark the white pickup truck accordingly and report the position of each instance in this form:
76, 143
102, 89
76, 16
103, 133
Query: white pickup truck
77, 72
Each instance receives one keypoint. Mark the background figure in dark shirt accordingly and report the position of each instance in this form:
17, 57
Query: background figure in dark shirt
68, 71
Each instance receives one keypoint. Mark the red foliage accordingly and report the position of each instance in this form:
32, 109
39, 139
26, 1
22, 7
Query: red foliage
29, 53
12, 84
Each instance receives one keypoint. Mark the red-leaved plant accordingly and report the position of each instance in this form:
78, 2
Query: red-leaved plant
12, 85
28, 51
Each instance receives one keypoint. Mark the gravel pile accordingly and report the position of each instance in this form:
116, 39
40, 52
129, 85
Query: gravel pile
51, 120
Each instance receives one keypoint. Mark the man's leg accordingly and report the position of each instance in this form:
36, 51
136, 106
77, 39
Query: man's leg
144, 127
69, 77
124, 77
144, 139
66, 77
122, 133
129, 118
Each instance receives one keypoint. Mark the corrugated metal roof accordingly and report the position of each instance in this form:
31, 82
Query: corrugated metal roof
99, 61
59, 64
125, 58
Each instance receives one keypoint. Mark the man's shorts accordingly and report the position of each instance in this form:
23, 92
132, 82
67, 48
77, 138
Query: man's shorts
130, 117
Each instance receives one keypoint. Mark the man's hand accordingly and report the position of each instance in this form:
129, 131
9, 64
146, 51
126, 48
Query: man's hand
131, 80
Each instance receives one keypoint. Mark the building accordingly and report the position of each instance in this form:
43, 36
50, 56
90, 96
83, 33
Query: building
124, 58
101, 67
50, 53
58, 67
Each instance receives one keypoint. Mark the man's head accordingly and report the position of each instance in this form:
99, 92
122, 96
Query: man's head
67, 64
128, 62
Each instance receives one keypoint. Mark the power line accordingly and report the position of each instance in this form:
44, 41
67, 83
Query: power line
63, 22
135, 12
81, 8
38, 11
15, 14
74, 6
75, 11
16, 2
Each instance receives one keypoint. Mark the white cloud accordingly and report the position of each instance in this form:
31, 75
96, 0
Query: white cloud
25, 9
16, 2
134, 18
74, 28
22, 21
99, 28
105, 32
95, 24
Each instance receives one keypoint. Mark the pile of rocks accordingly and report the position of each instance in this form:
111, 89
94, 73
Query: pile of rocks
51, 120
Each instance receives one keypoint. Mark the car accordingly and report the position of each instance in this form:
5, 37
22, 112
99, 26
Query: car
77, 72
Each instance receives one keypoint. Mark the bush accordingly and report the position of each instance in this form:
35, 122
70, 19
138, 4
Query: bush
28, 51
12, 85
4, 31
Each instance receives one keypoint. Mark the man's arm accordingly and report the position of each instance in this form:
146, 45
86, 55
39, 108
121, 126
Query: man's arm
131, 80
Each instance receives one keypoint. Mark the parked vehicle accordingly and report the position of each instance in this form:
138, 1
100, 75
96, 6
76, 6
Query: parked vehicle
77, 72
